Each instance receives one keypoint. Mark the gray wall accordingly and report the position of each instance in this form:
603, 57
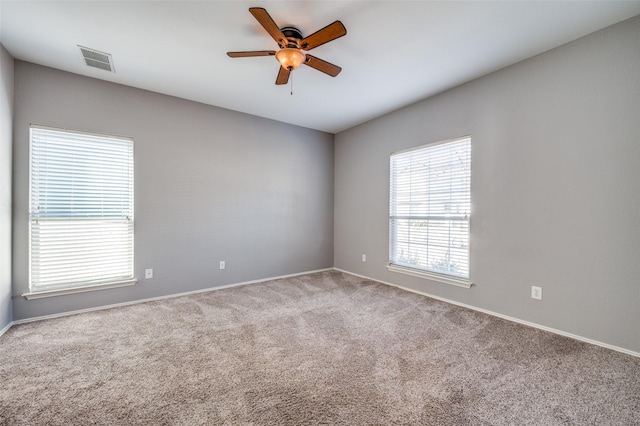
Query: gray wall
6, 121
210, 185
555, 187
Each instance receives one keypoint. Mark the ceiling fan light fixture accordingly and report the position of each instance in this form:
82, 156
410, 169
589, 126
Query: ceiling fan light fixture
291, 44
290, 58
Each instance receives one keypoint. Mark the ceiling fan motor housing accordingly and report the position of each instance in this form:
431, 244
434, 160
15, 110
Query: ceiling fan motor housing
293, 36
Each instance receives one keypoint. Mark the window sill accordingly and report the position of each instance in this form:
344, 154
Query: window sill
65, 291
459, 282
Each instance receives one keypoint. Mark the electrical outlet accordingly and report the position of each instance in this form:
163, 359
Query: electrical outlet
364, 257
222, 264
536, 292
148, 274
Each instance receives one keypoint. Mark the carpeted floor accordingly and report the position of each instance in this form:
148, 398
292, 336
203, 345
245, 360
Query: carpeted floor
325, 348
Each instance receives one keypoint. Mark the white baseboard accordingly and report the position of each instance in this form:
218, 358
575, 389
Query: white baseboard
6, 328
506, 317
152, 299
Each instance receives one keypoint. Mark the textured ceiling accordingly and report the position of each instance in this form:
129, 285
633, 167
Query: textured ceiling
395, 52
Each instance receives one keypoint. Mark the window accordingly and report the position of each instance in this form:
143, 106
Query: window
81, 210
430, 206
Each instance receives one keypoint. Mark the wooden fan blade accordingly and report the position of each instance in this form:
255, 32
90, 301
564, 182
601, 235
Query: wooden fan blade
325, 35
283, 76
324, 66
269, 24
251, 53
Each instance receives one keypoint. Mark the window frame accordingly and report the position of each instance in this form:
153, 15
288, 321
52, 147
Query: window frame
461, 280
106, 216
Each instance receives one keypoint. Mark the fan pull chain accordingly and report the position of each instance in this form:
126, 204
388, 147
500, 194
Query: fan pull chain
291, 81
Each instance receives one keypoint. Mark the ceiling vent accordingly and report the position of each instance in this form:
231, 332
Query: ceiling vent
97, 59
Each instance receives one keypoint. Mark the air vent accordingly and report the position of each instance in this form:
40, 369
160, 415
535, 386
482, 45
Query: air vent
97, 59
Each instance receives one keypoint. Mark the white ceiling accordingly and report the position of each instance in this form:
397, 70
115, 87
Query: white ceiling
394, 54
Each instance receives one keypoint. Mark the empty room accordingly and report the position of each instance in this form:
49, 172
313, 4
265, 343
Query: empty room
319, 212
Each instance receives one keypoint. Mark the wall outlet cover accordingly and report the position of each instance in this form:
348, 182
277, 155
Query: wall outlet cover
536, 292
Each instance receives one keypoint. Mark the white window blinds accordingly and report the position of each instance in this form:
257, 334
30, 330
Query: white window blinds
81, 210
430, 206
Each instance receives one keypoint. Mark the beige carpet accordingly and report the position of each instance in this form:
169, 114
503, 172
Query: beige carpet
325, 348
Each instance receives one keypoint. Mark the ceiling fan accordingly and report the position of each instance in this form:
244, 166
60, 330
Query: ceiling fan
292, 44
